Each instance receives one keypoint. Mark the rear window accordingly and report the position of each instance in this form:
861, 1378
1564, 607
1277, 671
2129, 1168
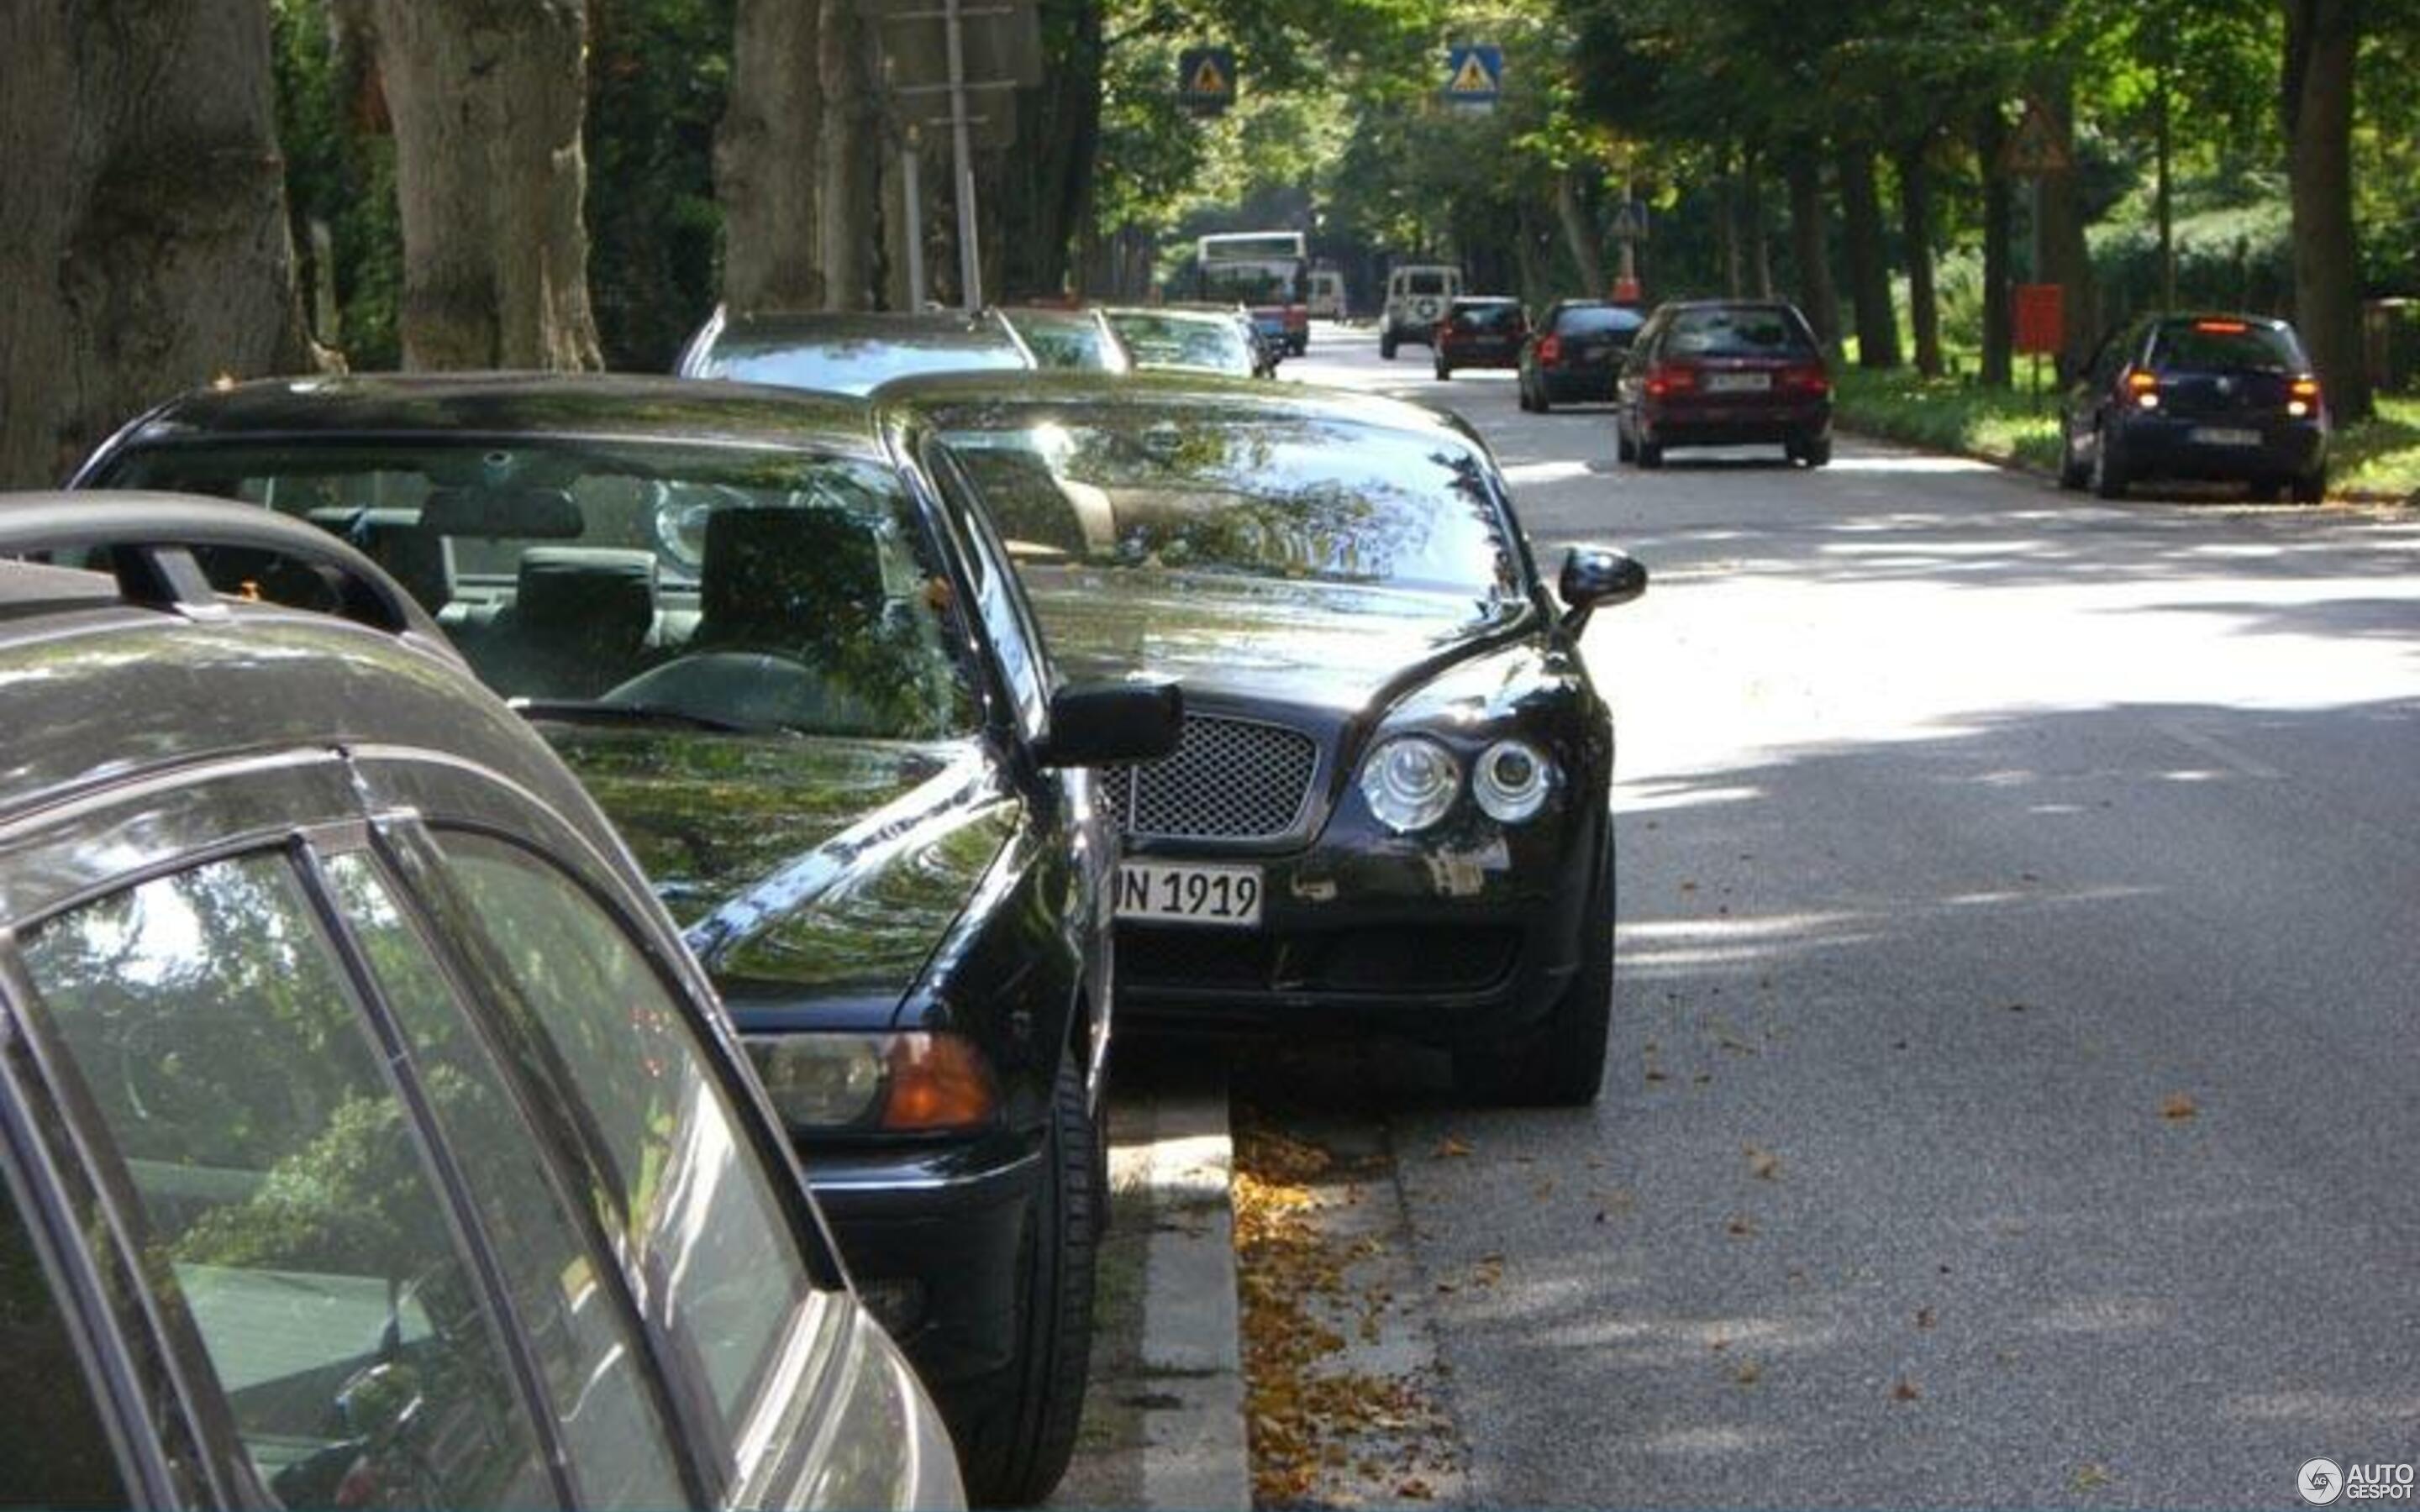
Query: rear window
1486, 316
2233, 346
1422, 283
1729, 331
1599, 320
854, 364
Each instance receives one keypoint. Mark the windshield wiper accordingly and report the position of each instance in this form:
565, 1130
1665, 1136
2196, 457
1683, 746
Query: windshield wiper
590, 711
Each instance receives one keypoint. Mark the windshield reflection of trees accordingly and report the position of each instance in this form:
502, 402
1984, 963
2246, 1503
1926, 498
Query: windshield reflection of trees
1302, 499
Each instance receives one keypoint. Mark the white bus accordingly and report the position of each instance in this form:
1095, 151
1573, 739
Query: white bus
1268, 272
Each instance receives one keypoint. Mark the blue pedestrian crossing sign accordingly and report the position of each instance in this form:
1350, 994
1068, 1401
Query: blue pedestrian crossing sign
1205, 79
1474, 75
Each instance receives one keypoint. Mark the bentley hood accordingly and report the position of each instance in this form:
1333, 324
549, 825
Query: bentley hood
802, 868
1315, 644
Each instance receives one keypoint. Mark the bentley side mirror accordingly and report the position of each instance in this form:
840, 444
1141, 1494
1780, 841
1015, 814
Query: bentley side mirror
1107, 724
1596, 577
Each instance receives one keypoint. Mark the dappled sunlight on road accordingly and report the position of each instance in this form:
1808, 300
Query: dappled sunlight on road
1847, 461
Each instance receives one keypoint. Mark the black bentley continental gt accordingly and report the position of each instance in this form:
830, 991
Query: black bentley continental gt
1389, 807
807, 691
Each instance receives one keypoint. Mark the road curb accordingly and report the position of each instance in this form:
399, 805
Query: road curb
1164, 1415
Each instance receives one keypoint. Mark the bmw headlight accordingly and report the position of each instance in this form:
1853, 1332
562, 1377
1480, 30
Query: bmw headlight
1511, 780
1409, 783
897, 1082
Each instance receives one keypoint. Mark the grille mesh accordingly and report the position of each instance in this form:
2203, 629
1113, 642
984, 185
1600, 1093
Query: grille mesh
1227, 780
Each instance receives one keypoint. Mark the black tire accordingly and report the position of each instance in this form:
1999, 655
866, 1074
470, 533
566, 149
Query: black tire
2108, 472
2265, 490
1386, 345
1443, 373
1625, 449
1014, 1450
2073, 470
1815, 454
1647, 453
1561, 1063
1545, 400
2311, 487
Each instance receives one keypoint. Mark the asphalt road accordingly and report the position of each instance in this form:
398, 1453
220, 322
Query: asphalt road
2015, 1088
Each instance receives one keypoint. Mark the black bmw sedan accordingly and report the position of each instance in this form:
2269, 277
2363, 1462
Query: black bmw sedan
1389, 810
807, 692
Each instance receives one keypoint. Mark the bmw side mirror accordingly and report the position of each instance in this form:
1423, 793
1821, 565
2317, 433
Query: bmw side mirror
1109, 724
1594, 578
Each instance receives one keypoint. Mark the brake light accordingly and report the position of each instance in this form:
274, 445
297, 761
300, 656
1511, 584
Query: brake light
1551, 349
1809, 379
2302, 397
2222, 328
1666, 379
2143, 386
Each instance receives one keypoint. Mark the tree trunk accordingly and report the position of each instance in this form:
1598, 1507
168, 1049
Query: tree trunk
1045, 192
1869, 289
1579, 233
1816, 299
1916, 236
145, 248
851, 173
765, 154
2069, 260
1759, 239
1726, 224
487, 100
1999, 340
2322, 39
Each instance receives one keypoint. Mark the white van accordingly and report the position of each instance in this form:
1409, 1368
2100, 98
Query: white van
1417, 295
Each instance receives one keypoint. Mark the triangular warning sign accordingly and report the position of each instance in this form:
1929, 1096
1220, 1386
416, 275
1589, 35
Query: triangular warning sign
1207, 80
1472, 78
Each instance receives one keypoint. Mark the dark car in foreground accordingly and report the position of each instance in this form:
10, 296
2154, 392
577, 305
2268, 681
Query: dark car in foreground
1479, 330
367, 1139
808, 693
1389, 809
1575, 354
1724, 373
851, 353
2229, 398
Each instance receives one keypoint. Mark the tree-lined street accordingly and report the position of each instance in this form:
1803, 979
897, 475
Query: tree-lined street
2012, 1076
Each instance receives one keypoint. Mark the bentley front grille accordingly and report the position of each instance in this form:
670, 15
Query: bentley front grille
1227, 780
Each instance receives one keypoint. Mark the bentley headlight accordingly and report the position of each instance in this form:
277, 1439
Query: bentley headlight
1511, 780
900, 1082
1409, 783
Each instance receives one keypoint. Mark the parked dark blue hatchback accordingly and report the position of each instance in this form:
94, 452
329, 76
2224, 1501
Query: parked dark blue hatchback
2215, 397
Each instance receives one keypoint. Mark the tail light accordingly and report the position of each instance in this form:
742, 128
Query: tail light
1551, 349
2302, 397
1667, 377
2143, 386
1807, 379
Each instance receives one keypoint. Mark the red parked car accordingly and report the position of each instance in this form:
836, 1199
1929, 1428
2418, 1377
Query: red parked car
1479, 330
1725, 373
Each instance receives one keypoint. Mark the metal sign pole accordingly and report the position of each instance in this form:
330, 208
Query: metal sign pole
912, 193
969, 258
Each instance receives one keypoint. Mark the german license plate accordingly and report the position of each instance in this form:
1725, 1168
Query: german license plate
2225, 436
1189, 893
1738, 383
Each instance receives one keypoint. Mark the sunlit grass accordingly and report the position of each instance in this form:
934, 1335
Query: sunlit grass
2379, 456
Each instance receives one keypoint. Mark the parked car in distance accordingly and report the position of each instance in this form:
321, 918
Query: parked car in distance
1389, 809
850, 352
1416, 294
1479, 330
1329, 300
1574, 355
1207, 340
2210, 397
810, 695
367, 1138
1080, 338
1724, 373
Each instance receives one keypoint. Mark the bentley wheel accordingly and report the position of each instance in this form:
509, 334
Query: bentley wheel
1017, 1449
1561, 1063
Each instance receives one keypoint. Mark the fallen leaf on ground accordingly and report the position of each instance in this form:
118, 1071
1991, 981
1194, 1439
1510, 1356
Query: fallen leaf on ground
1763, 1163
1740, 1226
1905, 1391
1749, 1373
2179, 1106
2088, 1476
1450, 1148
1924, 1318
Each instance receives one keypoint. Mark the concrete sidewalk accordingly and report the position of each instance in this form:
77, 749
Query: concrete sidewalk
1163, 1424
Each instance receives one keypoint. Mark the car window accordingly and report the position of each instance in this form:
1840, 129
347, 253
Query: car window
2227, 347
731, 586
1597, 320
1424, 283
1726, 331
1011, 629
54, 1450
1498, 318
1307, 499
1174, 341
855, 363
585, 1342
284, 1192
705, 1236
